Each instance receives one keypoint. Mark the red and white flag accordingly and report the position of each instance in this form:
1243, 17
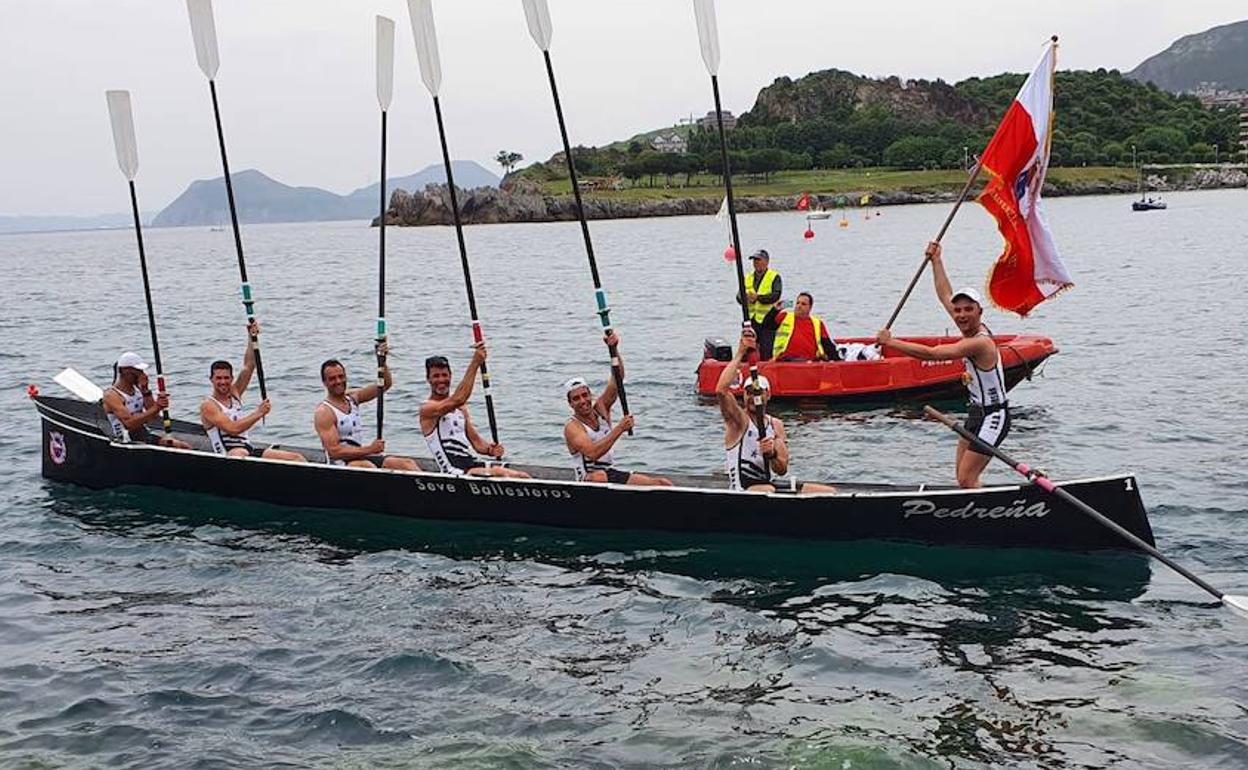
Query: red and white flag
803, 203
1029, 270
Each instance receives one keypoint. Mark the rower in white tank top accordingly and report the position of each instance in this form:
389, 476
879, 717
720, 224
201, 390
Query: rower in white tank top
223, 442
448, 443
580, 465
744, 460
136, 403
350, 429
986, 386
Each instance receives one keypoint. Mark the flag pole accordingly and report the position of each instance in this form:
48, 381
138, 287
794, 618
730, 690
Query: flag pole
966, 189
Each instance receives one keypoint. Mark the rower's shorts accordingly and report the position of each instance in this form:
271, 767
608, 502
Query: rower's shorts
991, 425
465, 464
617, 476
252, 449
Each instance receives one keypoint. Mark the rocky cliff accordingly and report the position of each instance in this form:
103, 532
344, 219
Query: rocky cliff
524, 202
836, 94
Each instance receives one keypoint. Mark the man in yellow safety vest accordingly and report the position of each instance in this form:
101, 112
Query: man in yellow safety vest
801, 335
762, 295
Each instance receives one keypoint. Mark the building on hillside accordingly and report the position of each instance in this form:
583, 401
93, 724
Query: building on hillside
709, 123
1243, 130
670, 143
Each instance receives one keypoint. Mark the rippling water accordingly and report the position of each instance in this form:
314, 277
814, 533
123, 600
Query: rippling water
143, 628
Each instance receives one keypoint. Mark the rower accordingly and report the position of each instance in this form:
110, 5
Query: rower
590, 434
337, 420
801, 335
130, 405
762, 294
752, 462
989, 413
222, 411
448, 428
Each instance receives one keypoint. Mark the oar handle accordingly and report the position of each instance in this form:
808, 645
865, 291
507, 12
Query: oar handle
381, 378
617, 374
489, 402
1035, 477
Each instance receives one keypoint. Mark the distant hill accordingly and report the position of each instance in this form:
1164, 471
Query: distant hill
55, 222
261, 198
1217, 56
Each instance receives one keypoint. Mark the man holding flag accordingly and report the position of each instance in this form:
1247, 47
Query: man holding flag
989, 413
1028, 272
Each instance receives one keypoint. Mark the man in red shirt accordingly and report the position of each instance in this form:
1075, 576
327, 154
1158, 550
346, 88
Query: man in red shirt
801, 336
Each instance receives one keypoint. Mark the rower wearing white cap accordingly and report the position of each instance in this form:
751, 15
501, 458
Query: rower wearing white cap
130, 405
753, 461
591, 435
989, 413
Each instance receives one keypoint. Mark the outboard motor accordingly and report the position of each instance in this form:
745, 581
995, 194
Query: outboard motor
717, 349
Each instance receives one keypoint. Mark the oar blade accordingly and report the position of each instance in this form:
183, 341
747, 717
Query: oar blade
426, 35
1236, 604
120, 116
708, 33
385, 62
204, 32
80, 386
537, 14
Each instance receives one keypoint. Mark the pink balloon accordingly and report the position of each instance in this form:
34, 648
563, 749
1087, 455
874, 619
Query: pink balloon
808, 234
730, 255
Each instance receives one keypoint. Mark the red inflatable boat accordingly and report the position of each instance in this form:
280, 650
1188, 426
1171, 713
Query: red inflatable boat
895, 377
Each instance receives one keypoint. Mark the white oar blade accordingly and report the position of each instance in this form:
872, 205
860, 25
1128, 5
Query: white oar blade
204, 31
123, 132
537, 14
1236, 604
385, 62
708, 33
426, 36
80, 386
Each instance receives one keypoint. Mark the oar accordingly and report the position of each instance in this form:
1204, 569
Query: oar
385, 91
128, 159
421, 12
204, 32
1234, 602
708, 38
537, 14
966, 189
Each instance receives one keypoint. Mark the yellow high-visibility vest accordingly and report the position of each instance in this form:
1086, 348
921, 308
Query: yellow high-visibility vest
785, 333
759, 310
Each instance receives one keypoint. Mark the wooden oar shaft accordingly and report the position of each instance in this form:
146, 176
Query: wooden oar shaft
600, 297
248, 303
477, 334
381, 287
760, 418
151, 308
966, 188
1048, 486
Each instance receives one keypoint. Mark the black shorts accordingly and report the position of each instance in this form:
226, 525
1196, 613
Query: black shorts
991, 426
466, 464
252, 449
376, 460
617, 476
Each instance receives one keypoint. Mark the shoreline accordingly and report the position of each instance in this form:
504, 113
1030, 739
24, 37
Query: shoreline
526, 201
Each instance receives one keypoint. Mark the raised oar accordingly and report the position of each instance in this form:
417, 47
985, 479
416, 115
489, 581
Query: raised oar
537, 14
421, 12
966, 189
1237, 603
708, 38
128, 159
385, 91
204, 33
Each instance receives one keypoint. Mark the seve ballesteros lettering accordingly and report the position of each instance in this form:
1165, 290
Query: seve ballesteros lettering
491, 489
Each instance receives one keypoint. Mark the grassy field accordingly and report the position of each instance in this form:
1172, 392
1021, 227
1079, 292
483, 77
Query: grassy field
835, 181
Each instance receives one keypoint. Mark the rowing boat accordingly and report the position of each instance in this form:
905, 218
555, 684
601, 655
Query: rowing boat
78, 448
893, 377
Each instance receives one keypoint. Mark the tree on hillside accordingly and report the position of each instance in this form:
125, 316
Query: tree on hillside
508, 160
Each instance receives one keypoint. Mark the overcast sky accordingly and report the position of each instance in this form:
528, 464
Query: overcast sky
297, 89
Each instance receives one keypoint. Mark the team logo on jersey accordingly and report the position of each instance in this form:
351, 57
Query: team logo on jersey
56, 447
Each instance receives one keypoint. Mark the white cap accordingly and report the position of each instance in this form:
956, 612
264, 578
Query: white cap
970, 294
131, 360
573, 384
763, 383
